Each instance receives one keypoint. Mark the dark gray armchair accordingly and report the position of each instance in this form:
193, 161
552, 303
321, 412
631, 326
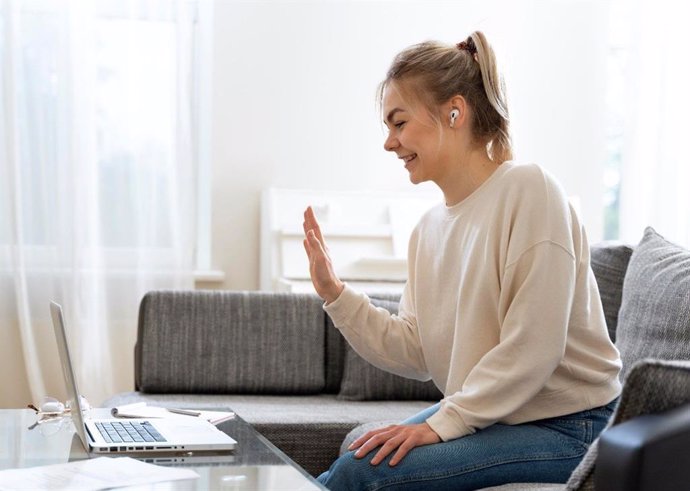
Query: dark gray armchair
647, 448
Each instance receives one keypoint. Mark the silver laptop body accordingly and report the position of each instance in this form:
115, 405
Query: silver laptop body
139, 435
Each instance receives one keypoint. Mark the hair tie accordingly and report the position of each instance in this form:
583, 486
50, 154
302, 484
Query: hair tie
468, 46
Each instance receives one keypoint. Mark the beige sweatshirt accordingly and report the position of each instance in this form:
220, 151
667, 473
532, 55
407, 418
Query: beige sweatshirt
501, 309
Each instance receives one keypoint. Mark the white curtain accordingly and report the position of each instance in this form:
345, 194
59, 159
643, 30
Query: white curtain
97, 186
655, 168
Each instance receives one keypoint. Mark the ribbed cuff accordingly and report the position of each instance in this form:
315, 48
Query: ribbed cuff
448, 424
344, 307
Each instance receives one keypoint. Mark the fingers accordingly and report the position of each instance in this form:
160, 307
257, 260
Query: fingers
315, 244
310, 223
388, 447
314, 249
307, 248
368, 435
311, 241
401, 437
324, 279
403, 450
375, 438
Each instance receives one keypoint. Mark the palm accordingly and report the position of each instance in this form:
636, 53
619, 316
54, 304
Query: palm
326, 283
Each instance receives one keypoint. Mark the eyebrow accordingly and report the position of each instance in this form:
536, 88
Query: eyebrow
392, 113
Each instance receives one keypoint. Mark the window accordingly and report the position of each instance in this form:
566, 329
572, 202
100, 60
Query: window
103, 107
617, 94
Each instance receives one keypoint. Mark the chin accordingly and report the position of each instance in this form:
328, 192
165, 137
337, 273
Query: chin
415, 179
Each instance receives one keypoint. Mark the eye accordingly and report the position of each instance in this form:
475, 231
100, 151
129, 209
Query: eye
399, 124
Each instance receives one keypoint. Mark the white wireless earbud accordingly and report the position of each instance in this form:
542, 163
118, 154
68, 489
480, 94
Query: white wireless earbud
453, 116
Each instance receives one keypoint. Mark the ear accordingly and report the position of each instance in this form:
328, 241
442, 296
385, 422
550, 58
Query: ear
459, 103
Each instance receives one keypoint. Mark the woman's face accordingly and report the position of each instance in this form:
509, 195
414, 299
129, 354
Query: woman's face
413, 135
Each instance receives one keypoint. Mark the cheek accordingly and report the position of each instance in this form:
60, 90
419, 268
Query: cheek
409, 139
420, 140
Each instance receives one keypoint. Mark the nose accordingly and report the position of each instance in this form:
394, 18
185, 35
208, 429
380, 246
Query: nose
391, 143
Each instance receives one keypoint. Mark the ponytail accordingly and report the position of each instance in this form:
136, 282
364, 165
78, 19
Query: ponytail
500, 148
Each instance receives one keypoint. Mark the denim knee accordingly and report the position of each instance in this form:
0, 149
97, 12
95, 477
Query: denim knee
346, 473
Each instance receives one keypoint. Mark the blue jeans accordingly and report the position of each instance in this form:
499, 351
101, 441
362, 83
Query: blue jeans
546, 450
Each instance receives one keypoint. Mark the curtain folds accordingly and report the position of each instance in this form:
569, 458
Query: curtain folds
98, 181
655, 175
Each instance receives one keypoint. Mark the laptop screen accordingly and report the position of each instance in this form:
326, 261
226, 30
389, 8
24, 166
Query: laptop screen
68, 372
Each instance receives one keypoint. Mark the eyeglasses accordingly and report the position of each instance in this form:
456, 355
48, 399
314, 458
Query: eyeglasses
52, 409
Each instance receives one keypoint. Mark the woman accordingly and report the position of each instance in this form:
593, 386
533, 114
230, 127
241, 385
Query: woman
501, 309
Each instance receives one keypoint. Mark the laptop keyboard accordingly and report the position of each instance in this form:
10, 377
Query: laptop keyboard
129, 431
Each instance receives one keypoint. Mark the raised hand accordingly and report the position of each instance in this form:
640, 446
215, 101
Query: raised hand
326, 283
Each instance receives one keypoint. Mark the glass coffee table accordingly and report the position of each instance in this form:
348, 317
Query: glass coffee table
256, 464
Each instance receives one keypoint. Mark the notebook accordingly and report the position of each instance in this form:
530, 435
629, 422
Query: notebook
113, 435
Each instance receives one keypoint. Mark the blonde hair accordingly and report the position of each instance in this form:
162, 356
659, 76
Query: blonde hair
437, 72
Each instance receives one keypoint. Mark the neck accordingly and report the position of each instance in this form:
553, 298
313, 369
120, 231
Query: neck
465, 175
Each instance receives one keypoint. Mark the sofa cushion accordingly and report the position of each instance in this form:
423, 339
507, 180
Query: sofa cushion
336, 347
230, 342
308, 428
654, 319
364, 382
527, 487
609, 262
281, 409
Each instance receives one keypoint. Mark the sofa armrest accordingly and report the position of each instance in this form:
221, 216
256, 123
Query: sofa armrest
646, 453
652, 386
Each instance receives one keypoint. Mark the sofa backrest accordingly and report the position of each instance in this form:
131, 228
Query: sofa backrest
230, 342
609, 262
271, 343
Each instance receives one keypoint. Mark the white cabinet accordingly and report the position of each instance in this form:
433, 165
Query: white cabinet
366, 233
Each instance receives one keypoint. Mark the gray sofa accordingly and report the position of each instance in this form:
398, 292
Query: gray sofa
279, 363
273, 358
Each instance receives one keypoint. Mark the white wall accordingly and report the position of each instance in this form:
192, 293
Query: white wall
293, 106
294, 100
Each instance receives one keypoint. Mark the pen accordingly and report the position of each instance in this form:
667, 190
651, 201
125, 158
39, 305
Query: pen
186, 412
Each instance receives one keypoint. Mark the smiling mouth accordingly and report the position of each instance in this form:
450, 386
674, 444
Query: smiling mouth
409, 158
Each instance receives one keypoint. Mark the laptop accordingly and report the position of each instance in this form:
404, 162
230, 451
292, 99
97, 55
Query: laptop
115, 435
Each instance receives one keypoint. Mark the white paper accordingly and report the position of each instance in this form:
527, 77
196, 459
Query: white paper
126, 408
142, 410
88, 475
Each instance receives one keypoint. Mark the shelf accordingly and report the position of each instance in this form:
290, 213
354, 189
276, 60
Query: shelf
363, 232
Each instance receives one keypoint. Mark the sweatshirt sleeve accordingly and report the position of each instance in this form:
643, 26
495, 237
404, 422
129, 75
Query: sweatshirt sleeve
534, 305
390, 342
